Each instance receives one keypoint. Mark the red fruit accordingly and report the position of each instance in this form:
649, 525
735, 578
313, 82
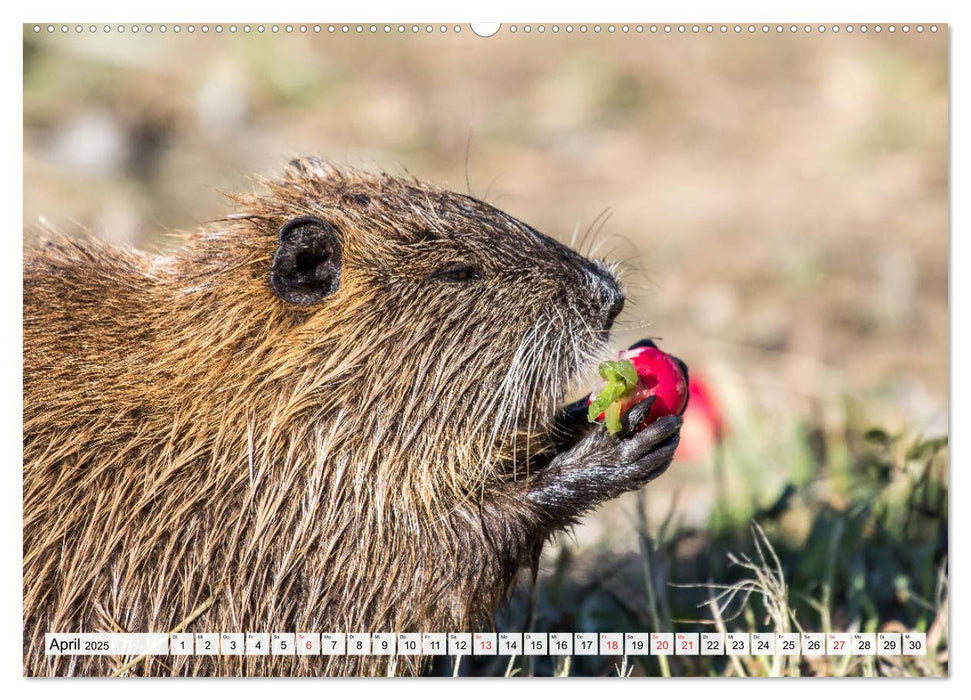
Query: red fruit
659, 375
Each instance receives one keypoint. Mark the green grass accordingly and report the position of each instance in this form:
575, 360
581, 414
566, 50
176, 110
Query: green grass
855, 539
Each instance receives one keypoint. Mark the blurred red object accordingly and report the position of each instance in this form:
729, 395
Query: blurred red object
703, 426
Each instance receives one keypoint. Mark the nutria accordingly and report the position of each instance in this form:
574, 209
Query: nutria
334, 410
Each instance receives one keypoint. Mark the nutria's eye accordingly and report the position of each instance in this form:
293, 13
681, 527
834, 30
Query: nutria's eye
307, 265
459, 272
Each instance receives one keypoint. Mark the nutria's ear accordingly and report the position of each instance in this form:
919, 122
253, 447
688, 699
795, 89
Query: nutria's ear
307, 265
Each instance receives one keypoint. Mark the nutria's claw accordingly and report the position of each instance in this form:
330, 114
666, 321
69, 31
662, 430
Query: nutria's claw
635, 416
573, 411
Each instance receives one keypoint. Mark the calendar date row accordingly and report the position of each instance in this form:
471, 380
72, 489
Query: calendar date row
491, 644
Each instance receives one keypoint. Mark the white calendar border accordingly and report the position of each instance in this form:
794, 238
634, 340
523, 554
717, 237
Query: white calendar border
510, 10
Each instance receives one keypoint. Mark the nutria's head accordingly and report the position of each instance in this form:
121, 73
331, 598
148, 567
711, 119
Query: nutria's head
435, 328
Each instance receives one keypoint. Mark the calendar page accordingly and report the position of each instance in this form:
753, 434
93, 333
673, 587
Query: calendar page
522, 349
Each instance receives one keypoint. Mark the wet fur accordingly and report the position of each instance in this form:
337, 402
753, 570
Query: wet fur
383, 460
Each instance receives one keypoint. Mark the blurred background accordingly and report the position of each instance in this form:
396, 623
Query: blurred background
778, 202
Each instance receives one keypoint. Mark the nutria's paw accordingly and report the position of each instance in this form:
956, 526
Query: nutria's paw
570, 425
630, 458
603, 466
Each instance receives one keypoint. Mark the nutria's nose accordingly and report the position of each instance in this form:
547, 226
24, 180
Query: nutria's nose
616, 306
611, 296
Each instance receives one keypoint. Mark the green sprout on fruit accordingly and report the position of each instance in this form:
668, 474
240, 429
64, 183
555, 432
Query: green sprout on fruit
621, 378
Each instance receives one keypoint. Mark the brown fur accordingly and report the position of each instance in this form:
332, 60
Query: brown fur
358, 465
